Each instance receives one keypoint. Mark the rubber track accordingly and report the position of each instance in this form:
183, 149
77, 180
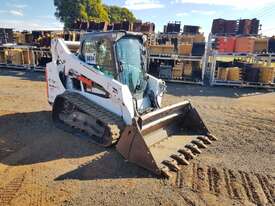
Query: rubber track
110, 120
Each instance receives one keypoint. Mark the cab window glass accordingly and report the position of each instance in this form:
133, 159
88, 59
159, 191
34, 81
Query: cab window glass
99, 53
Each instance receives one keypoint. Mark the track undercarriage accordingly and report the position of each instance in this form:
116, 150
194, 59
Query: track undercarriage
160, 141
77, 114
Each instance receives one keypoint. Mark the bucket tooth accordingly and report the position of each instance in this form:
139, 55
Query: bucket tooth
187, 153
180, 159
212, 137
166, 172
194, 148
172, 164
205, 139
165, 139
199, 143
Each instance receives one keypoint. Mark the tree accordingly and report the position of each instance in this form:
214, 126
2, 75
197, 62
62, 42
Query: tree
117, 14
95, 10
68, 11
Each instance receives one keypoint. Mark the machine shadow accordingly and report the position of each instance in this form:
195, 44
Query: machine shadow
23, 74
178, 89
111, 165
30, 138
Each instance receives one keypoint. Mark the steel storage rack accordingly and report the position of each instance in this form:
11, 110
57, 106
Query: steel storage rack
246, 69
172, 59
182, 60
28, 57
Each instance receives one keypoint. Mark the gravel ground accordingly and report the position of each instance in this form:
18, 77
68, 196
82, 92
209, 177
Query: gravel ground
42, 165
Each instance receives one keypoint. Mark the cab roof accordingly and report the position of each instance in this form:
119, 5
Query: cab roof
111, 35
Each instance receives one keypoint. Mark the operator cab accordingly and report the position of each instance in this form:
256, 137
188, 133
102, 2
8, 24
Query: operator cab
120, 55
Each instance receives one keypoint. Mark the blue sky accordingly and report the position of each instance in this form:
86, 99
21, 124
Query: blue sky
38, 14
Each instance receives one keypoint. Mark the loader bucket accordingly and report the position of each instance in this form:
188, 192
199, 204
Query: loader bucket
162, 140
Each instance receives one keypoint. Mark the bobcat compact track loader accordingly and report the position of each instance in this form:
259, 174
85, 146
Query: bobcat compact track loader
105, 93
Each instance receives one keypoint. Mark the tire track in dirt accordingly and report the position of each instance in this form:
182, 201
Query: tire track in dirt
235, 185
236, 110
9, 191
213, 179
249, 188
36, 193
267, 187
233, 189
244, 115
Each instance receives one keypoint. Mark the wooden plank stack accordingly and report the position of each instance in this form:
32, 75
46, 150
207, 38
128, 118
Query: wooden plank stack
187, 69
229, 73
222, 73
177, 71
161, 49
245, 44
261, 45
185, 49
266, 74
15, 56
234, 74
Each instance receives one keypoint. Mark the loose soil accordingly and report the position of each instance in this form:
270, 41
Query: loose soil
42, 165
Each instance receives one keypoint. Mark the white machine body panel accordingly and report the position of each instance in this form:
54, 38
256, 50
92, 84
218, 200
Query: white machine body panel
119, 101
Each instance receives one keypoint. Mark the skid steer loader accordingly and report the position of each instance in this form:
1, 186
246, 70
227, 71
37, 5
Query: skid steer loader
104, 92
